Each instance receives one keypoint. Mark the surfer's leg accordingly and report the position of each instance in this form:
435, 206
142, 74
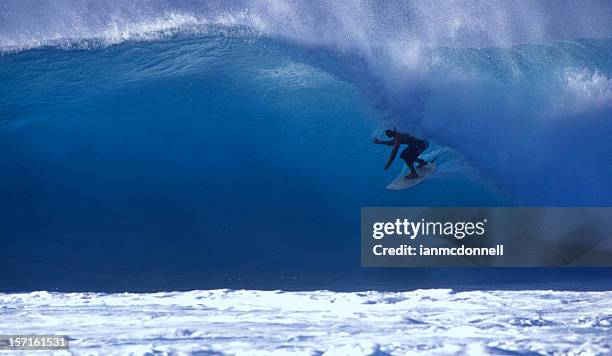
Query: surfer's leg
409, 155
421, 162
420, 149
413, 174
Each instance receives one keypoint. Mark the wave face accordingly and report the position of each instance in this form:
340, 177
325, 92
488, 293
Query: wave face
203, 142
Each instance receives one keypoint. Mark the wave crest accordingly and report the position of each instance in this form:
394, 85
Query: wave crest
119, 30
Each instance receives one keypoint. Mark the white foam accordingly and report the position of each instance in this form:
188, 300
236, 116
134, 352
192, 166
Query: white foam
296, 75
584, 91
120, 29
249, 322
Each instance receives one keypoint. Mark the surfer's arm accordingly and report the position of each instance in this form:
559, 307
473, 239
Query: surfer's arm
396, 146
381, 142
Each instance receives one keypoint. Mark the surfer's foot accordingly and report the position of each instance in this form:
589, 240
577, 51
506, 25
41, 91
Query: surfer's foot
412, 175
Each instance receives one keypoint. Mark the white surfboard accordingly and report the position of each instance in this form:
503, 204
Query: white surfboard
401, 182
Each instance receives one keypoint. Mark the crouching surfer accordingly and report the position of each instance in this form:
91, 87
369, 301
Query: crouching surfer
410, 154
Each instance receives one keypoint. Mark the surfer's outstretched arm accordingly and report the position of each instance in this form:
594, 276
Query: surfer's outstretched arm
381, 142
396, 146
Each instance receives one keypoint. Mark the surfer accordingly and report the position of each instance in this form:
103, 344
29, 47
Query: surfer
410, 154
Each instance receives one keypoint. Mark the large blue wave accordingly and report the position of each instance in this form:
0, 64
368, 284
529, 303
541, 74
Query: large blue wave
179, 151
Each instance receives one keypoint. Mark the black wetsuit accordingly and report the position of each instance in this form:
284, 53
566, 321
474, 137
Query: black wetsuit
416, 146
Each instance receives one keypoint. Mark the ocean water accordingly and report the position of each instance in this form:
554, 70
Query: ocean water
211, 159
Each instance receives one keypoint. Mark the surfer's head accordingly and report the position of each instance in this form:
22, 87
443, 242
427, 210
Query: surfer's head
390, 133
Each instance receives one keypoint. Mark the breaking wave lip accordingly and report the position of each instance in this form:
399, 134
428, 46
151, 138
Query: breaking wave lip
170, 25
